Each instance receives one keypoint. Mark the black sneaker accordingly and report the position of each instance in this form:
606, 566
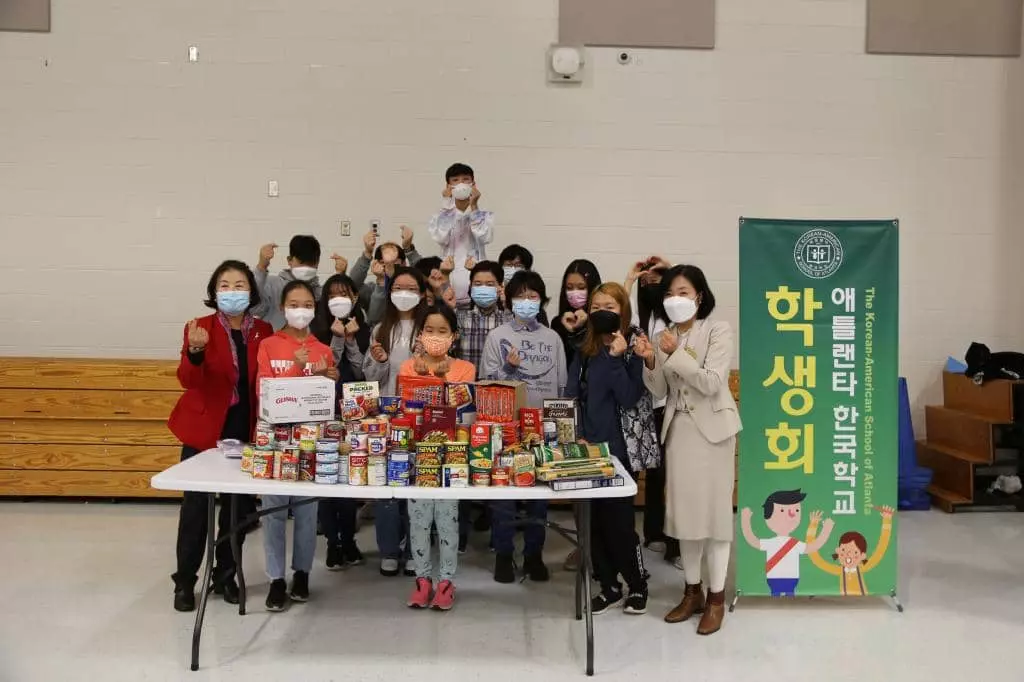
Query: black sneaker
352, 555
504, 569
228, 589
277, 599
184, 599
335, 559
533, 566
300, 587
636, 603
463, 542
605, 601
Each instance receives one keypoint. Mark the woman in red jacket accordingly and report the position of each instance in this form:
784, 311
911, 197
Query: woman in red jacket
218, 372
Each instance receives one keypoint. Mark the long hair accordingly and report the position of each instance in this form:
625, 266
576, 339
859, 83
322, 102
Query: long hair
586, 270
391, 313
650, 301
321, 325
593, 343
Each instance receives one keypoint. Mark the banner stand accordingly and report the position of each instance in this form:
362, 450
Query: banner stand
819, 451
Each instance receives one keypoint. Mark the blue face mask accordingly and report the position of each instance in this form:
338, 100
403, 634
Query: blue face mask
484, 296
525, 309
232, 302
510, 271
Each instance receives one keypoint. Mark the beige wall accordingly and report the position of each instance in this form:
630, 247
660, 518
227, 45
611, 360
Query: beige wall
127, 173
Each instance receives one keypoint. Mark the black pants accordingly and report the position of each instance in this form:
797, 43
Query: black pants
338, 521
192, 532
615, 545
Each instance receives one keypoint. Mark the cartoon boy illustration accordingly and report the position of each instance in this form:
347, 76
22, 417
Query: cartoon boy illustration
782, 515
852, 555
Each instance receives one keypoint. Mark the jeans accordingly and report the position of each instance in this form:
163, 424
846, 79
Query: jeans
192, 530
503, 532
338, 521
445, 515
275, 536
615, 545
391, 523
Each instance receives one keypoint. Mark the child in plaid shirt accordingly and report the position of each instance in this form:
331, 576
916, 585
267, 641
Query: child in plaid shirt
485, 315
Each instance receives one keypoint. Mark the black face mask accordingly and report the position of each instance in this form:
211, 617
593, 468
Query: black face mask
606, 322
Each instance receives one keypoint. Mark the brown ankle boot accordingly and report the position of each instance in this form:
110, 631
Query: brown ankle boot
714, 613
693, 602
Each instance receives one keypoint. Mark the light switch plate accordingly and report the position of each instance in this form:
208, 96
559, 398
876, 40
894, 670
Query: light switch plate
346, 228
272, 188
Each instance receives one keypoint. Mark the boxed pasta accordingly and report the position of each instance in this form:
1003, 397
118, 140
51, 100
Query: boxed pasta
530, 421
565, 414
296, 399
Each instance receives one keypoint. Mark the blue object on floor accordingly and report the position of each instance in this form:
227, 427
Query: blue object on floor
913, 479
955, 366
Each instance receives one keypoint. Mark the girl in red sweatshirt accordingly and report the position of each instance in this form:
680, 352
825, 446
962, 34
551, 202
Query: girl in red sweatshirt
292, 352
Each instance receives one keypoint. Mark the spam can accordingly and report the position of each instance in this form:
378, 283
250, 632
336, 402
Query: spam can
377, 470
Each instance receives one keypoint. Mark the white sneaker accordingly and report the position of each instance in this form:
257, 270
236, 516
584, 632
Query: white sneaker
389, 567
678, 562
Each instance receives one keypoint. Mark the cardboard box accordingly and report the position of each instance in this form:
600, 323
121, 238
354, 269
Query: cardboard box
565, 413
297, 399
500, 401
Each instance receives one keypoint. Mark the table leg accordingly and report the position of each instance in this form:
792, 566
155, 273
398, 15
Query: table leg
579, 569
236, 552
204, 591
584, 536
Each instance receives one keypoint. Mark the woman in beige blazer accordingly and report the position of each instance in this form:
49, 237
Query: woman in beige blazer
688, 365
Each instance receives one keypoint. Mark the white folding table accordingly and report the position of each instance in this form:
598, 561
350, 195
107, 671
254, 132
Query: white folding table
210, 472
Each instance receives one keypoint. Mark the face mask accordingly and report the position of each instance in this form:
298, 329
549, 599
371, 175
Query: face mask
606, 322
340, 306
303, 273
510, 271
462, 191
405, 300
484, 296
577, 298
525, 309
299, 318
232, 302
680, 309
436, 346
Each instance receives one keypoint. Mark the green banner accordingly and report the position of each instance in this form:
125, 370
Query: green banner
819, 449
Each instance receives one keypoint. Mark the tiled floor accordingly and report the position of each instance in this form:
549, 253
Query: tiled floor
86, 596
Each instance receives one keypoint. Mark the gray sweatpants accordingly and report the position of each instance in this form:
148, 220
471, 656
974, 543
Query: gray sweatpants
445, 515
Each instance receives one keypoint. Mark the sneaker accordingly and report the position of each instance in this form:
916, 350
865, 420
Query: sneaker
657, 546
277, 599
352, 555
300, 587
444, 597
572, 562
504, 569
228, 589
636, 603
410, 569
335, 560
605, 601
463, 542
420, 597
389, 567
678, 562
184, 599
533, 566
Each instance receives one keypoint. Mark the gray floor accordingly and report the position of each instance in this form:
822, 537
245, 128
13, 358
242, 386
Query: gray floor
86, 596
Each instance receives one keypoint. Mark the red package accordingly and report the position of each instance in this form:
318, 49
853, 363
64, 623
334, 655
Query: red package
530, 419
509, 433
428, 390
440, 419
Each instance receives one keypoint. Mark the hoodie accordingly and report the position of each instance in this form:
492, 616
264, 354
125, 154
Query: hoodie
271, 287
276, 358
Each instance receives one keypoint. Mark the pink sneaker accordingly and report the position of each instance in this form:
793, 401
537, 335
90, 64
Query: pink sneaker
420, 597
444, 598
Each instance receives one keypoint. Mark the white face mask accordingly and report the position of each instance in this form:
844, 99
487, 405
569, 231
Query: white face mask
405, 300
303, 273
299, 318
680, 309
340, 306
462, 191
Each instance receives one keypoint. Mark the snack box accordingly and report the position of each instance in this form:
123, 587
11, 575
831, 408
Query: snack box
456, 475
565, 413
463, 398
360, 399
439, 420
499, 401
296, 399
531, 421
456, 453
429, 454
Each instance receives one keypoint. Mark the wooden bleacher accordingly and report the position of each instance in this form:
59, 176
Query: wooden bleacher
85, 428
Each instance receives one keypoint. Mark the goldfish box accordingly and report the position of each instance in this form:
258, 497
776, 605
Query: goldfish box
296, 399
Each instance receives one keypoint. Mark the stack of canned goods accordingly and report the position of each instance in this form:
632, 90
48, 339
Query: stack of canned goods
294, 452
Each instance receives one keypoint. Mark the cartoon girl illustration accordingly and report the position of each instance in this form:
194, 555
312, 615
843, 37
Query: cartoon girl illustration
852, 555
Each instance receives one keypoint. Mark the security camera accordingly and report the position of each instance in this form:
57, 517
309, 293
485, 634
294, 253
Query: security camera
624, 58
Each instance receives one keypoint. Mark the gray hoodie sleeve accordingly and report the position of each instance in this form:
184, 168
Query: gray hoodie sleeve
350, 349
378, 304
373, 370
360, 270
492, 365
412, 256
270, 287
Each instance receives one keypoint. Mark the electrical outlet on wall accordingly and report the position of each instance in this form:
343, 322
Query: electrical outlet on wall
346, 228
272, 189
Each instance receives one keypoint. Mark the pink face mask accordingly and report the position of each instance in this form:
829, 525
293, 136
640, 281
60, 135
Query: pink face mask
577, 298
436, 346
